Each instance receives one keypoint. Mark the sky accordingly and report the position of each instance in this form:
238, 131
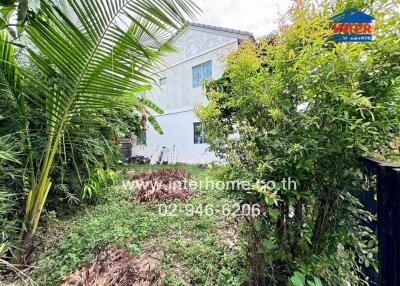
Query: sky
256, 16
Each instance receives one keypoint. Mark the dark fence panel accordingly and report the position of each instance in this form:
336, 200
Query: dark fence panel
368, 200
388, 224
125, 148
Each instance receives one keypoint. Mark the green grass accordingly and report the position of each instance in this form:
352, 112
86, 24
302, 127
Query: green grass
194, 247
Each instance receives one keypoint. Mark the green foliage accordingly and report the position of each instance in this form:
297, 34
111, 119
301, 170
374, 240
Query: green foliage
299, 105
18, 9
208, 263
298, 279
8, 219
97, 181
11, 151
193, 248
81, 87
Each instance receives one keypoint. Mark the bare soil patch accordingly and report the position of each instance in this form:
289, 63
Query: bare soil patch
162, 185
113, 266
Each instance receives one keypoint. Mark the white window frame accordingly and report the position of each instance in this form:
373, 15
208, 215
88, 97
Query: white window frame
203, 75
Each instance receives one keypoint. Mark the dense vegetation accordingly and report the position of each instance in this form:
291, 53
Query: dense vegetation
201, 249
296, 104
74, 89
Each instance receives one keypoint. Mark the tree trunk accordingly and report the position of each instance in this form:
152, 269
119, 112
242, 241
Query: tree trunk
35, 201
326, 209
24, 254
298, 220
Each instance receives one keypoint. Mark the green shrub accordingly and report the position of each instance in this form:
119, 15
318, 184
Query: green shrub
298, 105
98, 180
9, 172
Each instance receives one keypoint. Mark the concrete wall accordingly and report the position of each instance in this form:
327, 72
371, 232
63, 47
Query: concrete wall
194, 47
178, 131
177, 97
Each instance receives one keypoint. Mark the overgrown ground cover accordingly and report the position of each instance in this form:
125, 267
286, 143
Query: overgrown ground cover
198, 249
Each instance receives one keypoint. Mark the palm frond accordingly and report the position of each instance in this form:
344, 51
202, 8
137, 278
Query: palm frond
105, 51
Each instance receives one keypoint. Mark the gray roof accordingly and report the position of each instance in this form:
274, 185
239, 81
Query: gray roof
233, 31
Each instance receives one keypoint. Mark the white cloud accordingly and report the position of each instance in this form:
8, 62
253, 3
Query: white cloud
257, 16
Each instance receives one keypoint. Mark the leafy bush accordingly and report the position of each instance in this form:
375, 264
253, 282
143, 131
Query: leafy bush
298, 105
9, 171
98, 181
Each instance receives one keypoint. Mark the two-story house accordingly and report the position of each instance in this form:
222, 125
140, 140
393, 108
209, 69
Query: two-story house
201, 50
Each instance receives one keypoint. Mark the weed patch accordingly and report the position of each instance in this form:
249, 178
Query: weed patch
191, 250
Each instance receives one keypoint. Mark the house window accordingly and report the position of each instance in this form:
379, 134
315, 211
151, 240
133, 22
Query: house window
201, 72
199, 132
141, 137
163, 81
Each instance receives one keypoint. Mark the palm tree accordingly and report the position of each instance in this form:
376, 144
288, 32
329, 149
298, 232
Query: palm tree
102, 54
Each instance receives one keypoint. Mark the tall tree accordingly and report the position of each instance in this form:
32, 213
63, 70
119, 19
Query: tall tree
95, 55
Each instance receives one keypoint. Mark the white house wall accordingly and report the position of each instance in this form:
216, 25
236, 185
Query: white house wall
178, 131
177, 97
195, 47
